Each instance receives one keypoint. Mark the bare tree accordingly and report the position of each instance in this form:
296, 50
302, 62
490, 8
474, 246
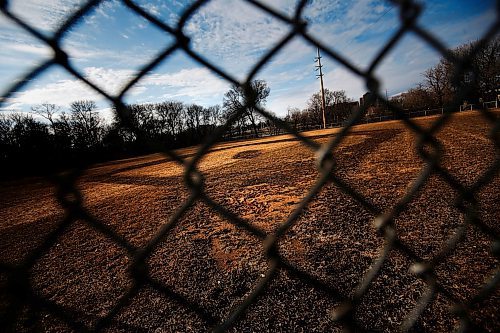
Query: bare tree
47, 111
172, 114
194, 115
335, 101
86, 124
416, 98
487, 62
437, 80
481, 78
6, 124
28, 135
271, 126
340, 97
144, 120
205, 117
236, 100
215, 114
314, 105
342, 106
60, 125
293, 116
478, 80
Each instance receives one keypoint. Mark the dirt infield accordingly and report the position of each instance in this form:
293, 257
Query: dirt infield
214, 265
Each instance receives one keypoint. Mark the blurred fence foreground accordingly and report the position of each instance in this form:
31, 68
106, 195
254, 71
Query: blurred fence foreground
18, 294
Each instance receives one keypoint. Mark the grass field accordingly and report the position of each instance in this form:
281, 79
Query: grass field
213, 264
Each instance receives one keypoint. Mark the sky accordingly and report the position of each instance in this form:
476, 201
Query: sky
112, 43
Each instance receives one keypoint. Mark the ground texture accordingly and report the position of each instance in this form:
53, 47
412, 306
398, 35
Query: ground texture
205, 266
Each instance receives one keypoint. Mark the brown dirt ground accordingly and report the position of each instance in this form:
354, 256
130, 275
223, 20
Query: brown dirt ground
208, 261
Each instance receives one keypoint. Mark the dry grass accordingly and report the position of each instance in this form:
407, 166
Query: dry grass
209, 261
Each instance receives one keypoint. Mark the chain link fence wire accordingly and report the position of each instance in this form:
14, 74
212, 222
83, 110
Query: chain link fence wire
19, 293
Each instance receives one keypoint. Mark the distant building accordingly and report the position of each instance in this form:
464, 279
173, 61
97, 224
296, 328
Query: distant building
373, 108
366, 98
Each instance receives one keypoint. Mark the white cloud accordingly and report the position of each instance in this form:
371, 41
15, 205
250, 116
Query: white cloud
29, 49
233, 33
195, 84
198, 80
365, 11
110, 80
342, 79
454, 33
85, 53
152, 9
20, 50
45, 15
105, 8
62, 92
291, 98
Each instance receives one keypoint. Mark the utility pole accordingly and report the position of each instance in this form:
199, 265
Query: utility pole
320, 77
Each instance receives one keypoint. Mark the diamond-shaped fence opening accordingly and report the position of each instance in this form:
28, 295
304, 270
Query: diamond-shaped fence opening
391, 265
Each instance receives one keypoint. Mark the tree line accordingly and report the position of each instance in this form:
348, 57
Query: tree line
338, 107
48, 139
441, 83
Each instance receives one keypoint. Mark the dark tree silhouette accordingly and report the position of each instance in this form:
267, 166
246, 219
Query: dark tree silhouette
46, 110
171, 115
86, 124
237, 100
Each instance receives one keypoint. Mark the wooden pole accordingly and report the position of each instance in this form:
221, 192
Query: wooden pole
320, 76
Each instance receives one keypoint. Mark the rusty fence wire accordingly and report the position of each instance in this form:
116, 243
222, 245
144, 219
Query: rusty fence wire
19, 291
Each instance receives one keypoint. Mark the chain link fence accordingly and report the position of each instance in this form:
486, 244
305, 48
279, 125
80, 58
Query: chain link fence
18, 291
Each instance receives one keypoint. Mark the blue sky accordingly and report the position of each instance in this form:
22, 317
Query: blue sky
112, 43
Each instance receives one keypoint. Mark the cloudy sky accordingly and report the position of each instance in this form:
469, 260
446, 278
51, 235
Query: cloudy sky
111, 44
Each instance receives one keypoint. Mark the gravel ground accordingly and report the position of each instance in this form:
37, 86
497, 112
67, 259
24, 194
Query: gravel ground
213, 265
